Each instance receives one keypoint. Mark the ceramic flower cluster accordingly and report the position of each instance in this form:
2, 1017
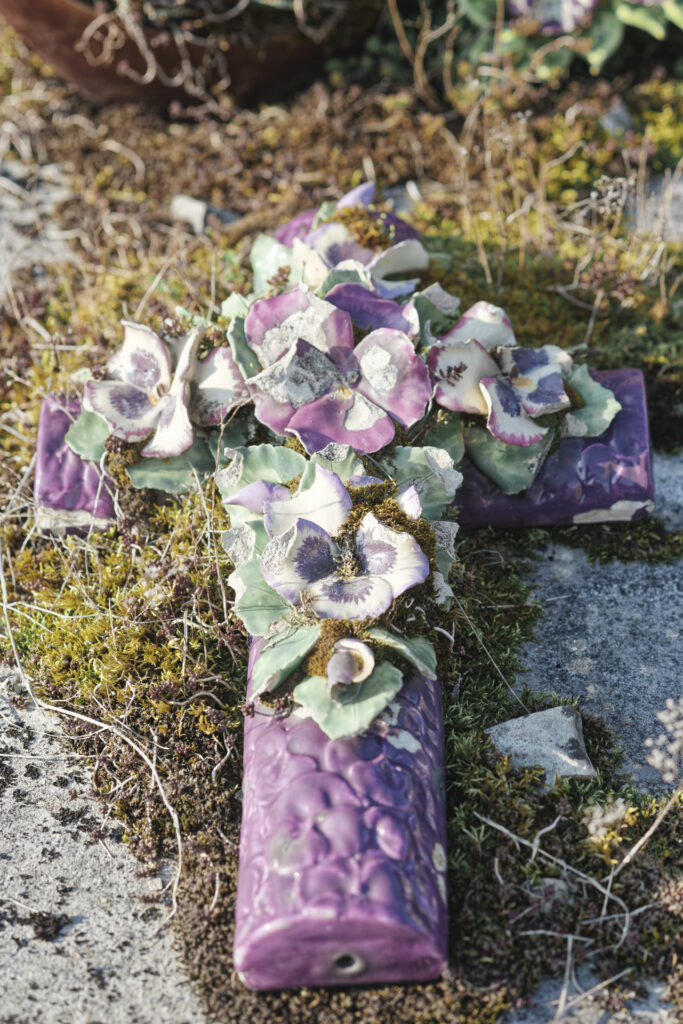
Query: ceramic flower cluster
342, 387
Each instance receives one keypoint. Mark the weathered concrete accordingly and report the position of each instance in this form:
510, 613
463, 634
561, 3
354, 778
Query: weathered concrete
613, 634
28, 198
78, 944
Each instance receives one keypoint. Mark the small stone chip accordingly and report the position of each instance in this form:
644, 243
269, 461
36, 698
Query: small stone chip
552, 739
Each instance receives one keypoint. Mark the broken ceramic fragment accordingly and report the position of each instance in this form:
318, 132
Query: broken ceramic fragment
71, 494
552, 739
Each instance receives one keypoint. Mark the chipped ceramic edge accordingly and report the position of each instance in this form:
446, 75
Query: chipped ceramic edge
620, 511
58, 521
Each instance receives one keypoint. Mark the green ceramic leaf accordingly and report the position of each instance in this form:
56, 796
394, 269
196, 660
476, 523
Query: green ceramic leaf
235, 305
271, 463
439, 320
256, 604
87, 435
343, 720
674, 12
176, 474
282, 654
448, 434
648, 19
325, 211
267, 257
511, 467
431, 471
606, 35
600, 409
243, 354
418, 651
342, 277
344, 468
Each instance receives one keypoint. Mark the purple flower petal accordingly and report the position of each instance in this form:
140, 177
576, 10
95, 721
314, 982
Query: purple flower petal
458, 368
263, 323
174, 431
126, 409
537, 376
507, 420
218, 386
361, 195
302, 375
297, 227
326, 503
342, 418
395, 557
542, 395
370, 311
360, 597
409, 501
393, 375
256, 496
143, 359
334, 243
274, 325
300, 556
486, 323
185, 350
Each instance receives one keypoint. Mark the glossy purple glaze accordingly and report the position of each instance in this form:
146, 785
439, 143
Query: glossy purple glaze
70, 494
342, 852
594, 479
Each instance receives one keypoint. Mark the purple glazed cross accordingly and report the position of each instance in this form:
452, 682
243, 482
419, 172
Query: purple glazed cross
71, 495
342, 853
587, 480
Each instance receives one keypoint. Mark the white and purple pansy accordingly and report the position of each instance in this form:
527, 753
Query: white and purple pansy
145, 396
319, 246
316, 385
511, 386
354, 577
152, 383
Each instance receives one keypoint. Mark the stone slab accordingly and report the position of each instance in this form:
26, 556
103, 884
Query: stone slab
612, 634
552, 739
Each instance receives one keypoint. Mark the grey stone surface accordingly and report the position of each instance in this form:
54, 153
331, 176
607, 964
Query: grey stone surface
612, 634
660, 210
552, 739
78, 944
582, 1008
27, 200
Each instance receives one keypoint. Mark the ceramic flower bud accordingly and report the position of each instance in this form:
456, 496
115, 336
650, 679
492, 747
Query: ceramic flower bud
486, 323
144, 397
351, 662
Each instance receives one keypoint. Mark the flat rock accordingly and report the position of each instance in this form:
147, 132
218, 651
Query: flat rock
552, 739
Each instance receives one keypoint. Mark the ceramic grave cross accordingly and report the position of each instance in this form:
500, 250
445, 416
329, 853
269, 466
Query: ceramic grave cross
349, 418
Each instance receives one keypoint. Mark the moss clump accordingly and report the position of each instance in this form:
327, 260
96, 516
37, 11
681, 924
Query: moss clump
366, 226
